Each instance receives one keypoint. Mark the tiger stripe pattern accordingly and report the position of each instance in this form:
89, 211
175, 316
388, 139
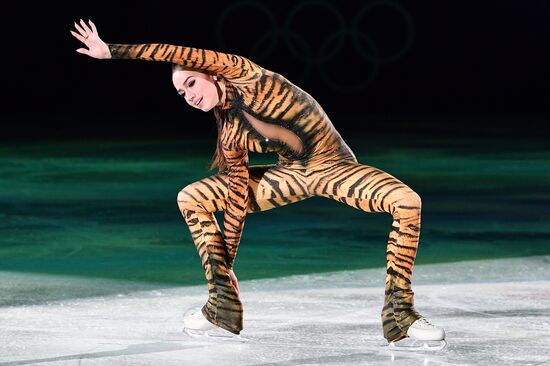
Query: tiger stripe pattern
266, 113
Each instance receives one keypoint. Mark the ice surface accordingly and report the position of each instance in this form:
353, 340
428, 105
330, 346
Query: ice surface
495, 312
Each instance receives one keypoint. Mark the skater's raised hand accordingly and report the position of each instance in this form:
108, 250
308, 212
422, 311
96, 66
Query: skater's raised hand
234, 280
96, 48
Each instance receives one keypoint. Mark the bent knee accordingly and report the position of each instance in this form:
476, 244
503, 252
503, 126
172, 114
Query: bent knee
409, 201
186, 201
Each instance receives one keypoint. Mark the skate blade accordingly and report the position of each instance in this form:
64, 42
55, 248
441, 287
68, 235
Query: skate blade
215, 335
409, 344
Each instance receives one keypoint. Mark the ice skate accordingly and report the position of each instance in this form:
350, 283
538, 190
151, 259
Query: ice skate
196, 325
421, 336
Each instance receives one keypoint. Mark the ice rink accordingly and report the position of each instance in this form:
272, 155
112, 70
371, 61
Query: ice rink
495, 312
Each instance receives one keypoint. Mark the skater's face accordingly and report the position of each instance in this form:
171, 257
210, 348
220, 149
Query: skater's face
197, 88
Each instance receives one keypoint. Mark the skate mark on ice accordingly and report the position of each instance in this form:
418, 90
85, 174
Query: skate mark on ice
134, 349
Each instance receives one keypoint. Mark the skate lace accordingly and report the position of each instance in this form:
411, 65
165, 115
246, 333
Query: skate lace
425, 322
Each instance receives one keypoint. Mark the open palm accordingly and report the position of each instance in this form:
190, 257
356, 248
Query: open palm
88, 35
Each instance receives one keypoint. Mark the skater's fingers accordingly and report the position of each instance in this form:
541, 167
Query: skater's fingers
78, 36
86, 28
236, 285
94, 29
84, 51
80, 30
234, 280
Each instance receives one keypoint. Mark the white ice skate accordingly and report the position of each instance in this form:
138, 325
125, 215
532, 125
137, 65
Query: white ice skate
196, 325
422, 336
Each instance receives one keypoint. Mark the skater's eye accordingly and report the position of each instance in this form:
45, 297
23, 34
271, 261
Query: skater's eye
191, 83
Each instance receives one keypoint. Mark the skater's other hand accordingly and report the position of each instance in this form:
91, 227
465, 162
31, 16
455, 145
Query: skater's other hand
87, 34
234, 280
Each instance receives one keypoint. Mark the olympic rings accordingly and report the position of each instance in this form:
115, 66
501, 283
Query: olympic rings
331, 46
408, 24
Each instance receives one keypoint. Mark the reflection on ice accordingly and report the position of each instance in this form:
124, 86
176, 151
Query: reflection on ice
494, 312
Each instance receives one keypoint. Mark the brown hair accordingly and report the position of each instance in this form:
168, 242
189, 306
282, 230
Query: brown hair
218, 160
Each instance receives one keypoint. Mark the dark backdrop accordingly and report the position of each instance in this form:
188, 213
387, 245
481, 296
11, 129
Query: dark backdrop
468, 67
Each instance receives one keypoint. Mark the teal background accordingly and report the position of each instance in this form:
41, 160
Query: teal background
101, 208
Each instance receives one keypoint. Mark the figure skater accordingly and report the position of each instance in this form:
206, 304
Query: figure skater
261, 111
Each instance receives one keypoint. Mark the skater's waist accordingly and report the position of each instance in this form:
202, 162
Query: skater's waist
317, 158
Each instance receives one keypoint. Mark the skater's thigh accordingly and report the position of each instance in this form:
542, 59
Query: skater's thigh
348, 181
269, 186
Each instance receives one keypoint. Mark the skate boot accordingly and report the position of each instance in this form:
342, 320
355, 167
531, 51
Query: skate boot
404, 328
196, 325
421, 336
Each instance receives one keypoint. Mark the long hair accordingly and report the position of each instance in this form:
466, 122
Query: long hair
218, 160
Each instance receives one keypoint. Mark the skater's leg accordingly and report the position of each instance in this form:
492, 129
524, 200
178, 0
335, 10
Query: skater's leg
372, 190
211, 248
270, 186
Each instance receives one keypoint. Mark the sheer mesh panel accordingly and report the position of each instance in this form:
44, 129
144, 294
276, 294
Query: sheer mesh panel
276, 133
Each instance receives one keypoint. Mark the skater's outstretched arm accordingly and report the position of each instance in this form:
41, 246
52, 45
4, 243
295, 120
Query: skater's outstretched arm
232, 67
237, 69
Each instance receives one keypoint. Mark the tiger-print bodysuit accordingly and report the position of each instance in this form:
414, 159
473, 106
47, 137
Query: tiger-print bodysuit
268, 113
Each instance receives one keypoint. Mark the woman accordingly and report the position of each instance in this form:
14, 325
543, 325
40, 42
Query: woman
259, 110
